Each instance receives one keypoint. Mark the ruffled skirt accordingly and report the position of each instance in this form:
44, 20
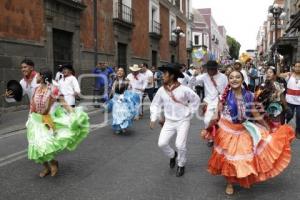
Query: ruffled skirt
69, 130
124, 108
235, 157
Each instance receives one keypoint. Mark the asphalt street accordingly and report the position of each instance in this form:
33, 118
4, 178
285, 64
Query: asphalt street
129, 166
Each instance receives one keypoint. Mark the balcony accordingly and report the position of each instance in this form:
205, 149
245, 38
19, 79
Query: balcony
123, 15
155, 31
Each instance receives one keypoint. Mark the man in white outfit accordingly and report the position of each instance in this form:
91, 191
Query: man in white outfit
29, 80
137, 83
179, 103
214, 84
68, 85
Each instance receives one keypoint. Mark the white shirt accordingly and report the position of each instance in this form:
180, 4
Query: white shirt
212, 93
293, 84
246, 78
184, 81
175, 111
149, 78
137, 85
68, 87
29, 88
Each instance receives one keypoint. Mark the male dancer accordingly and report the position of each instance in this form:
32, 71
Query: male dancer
179, 104
29, 81
214, 84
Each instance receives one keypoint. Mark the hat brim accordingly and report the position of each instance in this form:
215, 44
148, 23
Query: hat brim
16, 88
134, 69
177, 72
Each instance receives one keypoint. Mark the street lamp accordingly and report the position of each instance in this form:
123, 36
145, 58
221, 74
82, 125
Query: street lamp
277, 13
178, 33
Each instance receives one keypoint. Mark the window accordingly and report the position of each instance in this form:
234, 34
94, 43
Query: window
196, 39
172, 25
154, 21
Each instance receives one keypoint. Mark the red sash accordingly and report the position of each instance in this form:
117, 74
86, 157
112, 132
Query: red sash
293, 92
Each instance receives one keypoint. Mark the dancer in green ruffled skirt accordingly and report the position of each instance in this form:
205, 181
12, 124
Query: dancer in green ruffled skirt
53, 126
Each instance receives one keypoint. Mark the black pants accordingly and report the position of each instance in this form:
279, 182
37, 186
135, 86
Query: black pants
149, 92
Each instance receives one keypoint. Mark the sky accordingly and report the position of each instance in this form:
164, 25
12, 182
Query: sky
241, 18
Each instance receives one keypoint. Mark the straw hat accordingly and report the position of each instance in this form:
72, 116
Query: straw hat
135, 68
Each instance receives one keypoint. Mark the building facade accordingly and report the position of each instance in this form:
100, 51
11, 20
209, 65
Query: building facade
83, 32
208, 33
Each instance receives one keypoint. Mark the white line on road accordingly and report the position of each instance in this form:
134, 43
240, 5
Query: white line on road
12, 155
13, 160
22, 154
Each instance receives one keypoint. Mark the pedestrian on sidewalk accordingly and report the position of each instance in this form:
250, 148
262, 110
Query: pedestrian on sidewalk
179, 103
50, 127
214, 84
246, 152
69, 85
137, 84
124, 104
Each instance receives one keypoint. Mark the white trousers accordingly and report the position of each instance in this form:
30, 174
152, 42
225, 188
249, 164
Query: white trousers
209, 114
169, 129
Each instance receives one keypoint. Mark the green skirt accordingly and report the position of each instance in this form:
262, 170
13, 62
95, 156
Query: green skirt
45, 143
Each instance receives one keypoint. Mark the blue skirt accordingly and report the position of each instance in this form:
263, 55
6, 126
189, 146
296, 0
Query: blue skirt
124, 108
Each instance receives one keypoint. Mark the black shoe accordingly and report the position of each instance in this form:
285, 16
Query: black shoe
180, 171
210, 143
173, 161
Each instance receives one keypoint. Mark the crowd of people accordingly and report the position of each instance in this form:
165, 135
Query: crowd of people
246, 111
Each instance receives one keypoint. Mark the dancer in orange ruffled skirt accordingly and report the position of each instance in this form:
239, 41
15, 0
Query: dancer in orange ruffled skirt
245, 151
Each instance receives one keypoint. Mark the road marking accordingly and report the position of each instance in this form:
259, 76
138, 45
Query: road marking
13, 160
23, 131
12, 155
12, 134
22, 154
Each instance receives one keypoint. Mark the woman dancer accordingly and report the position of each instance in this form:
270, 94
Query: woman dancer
271, 95
245, 152
51, 128
124, 104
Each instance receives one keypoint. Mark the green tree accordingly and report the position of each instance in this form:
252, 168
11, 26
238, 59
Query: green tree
234, 47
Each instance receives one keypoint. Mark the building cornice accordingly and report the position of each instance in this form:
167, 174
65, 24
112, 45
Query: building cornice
174, 10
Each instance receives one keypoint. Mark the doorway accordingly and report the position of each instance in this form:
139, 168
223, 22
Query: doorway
154, 58
122, 55
62, 48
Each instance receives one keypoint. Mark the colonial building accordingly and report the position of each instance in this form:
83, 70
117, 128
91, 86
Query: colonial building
83, 32
207, 33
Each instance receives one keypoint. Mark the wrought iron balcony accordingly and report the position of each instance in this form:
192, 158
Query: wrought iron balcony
123, 14
155, 31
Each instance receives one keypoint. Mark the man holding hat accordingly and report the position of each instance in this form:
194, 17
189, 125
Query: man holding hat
137, 83
214, 84
68, 85
179, 103
28, 83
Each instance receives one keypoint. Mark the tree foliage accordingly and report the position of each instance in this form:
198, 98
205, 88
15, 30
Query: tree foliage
234, 47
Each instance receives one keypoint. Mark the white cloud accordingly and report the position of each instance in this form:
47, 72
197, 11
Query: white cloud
241, 18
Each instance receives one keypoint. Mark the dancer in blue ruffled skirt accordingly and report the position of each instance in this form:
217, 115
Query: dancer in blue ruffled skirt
124, 104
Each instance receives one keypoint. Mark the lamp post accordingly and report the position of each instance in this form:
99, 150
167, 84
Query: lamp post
178, 33
277, 13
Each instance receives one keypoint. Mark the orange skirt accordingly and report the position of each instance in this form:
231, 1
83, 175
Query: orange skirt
235, 157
